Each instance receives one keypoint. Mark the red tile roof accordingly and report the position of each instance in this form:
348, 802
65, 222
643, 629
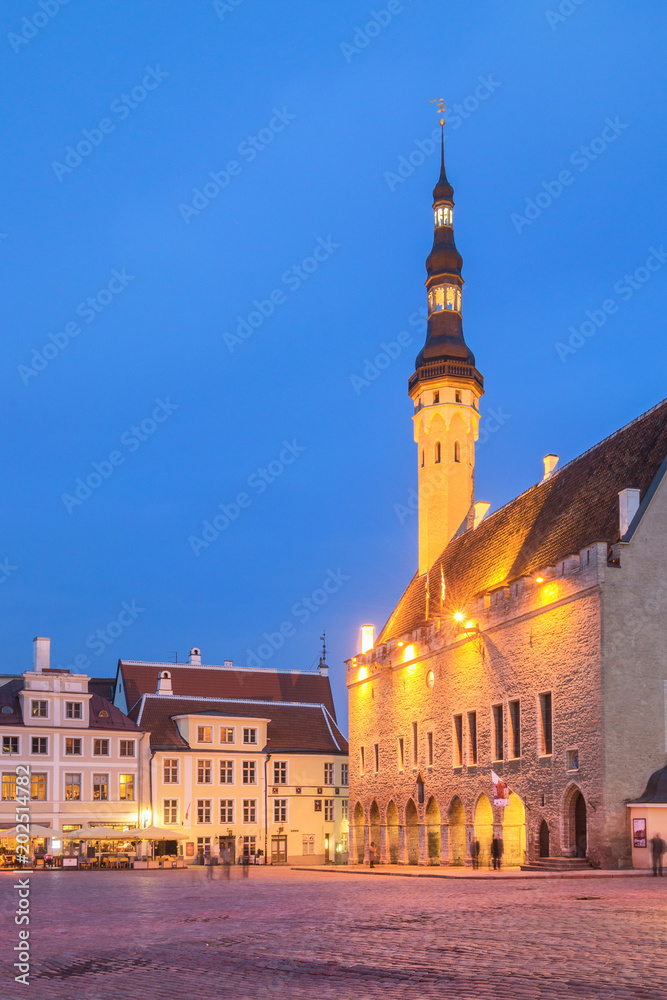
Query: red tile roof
262, 684
295, 728
114, 718
578, 505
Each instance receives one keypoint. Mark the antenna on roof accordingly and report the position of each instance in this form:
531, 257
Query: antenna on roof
172, 657
322, 666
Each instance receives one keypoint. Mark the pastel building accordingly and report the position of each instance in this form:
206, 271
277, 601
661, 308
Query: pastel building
248, 759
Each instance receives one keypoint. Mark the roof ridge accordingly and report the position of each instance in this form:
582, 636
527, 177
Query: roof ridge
219, 666
236, 701
325, 713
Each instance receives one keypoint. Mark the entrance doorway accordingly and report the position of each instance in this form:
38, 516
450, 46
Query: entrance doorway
412, 832
278, 850
580, 836
457, 832
544, 839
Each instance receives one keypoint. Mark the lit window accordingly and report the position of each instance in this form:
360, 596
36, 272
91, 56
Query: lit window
204, 772
10, 744
442, 216
328, 774
127, 748
38, 710
38, 787
444, 297
457, 451
127, 787
280, 810
226, 772
249, 772
437, 452
170, 771
73, 710
204, 734
73, 747
250, 736
100, 787
226, 734
8, 787
101, 748
73, 786
170, 812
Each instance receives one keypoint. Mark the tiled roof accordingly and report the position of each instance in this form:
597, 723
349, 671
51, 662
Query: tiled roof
9, 698
226, 682
102, 686
292, 727
578, 505
115, 719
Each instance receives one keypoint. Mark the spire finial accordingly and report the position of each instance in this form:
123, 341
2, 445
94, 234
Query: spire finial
443, 189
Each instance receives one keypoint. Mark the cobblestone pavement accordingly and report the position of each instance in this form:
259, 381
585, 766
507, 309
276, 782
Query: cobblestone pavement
301, 935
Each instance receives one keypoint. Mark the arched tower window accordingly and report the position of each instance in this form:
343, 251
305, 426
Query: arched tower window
437, 452
423, 458
442, 215
457, 451
444, 297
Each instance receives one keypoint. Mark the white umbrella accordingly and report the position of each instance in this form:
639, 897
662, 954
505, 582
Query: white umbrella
34, 829
103, 833
155, 833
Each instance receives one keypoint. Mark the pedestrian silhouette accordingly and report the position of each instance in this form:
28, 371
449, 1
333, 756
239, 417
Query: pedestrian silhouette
496, 852
475, 851
658, 848
372, 854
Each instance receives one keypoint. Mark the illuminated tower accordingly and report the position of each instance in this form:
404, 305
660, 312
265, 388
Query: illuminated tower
445, 388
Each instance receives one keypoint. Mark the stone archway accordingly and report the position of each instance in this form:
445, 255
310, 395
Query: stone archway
457, 832
544, 839
484, 829
358, 827
375, 832
575, 832
392, 833
412, 833
514, 832
433, 832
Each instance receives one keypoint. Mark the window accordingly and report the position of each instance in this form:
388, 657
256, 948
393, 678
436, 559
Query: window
38, 787
546, 726
415, 744
436, 398
329, 774
472, 738
127, 788
204, 734
458, 741
362, 760
317, 804
442, 216
73, 747
498, 743
423, 457
515, 727
204, 769
40, 744
345, 774
170, 770
10, 744
169, 811
249, 847
444, 297
376, 754
203, 811
38, 710
127, 748
250, 736
8, 787
308, 843
73, 786
250, 810
572, 760
345, 808
457, 451
204, 846
249, 772
280, 810
100, 787
73, 710
437, 453
329, 810
226, 734
226, 810
429, 748
280, 772
101, 748
226, 772
458, 398
401, 754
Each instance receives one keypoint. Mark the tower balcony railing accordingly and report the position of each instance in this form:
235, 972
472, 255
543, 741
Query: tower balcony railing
436, 369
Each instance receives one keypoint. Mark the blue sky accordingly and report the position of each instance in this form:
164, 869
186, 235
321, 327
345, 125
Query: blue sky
201, 330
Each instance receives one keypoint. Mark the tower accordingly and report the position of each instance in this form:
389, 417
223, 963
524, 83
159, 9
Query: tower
445, 389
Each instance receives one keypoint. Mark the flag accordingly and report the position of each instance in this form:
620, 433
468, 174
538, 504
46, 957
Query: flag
187, 811
501, 793
442, 585
428, 596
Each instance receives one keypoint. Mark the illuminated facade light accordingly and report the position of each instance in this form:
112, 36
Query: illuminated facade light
470, 625
459, 616
409, 654
539, 579
367, 637
363, 673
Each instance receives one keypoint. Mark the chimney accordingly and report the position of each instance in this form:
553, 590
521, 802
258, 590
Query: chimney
228, 663
41, 654
628, 505
550, 463
481, 507
367, 637
164, 682
195, 656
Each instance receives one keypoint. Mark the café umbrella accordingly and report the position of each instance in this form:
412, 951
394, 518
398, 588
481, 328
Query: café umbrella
34, 830
156, 833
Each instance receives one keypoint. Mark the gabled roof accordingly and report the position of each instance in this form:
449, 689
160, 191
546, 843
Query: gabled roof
114, 719
577, 506
262, 684
299, 728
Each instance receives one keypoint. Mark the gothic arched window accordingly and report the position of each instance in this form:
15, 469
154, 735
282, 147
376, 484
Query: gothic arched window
437, 452
457, 451
442, 215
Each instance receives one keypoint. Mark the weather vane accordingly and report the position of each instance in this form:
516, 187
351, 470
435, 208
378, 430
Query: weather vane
323, 637
441, 107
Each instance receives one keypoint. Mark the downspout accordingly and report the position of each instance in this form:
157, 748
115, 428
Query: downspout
266, 808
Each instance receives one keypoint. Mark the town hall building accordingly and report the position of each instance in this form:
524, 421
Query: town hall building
518, 690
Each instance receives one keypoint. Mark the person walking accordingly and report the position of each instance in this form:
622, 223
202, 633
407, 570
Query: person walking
245, 865
476, 848
226, 858
496, 852
372, 854
214, 859
658, 848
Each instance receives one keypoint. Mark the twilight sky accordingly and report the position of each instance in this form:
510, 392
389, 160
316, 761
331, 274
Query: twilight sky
215, 215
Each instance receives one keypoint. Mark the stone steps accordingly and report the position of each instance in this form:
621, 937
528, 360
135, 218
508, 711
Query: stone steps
556, 865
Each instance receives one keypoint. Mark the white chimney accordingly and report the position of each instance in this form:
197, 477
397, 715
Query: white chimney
550, 463
229, 663
195, 655
41, 654
628, 505
481, 507
164, 682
